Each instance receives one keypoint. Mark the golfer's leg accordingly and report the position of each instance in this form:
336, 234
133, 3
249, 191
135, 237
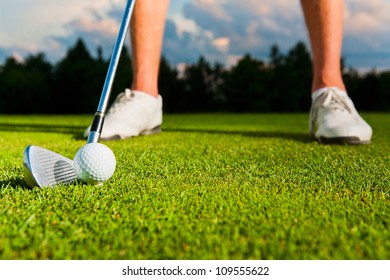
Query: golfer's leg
329, 124
139, 112
147, 28
324, 20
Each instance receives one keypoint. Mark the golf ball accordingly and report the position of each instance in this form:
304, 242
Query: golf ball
94, 163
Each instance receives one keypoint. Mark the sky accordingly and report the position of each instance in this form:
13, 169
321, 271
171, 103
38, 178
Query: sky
220, 30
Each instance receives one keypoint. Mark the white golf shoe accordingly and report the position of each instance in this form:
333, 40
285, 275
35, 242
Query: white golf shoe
334, 119
133, 113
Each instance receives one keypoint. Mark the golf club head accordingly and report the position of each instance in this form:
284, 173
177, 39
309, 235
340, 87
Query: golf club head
44, 168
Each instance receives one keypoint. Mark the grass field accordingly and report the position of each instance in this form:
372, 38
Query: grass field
211, 186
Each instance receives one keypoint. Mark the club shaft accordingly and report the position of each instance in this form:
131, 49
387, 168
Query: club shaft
97, 124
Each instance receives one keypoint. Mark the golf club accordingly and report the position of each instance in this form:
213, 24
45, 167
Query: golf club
44, 168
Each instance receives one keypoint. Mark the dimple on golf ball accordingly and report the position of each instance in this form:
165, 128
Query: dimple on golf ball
94, 163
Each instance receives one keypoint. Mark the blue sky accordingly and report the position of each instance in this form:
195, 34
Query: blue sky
220, 30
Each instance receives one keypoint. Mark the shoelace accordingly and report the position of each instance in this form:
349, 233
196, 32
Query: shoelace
122, 99
328, 98
335, 101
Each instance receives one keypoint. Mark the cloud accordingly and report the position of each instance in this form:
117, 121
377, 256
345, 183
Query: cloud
17, 53
220, 30
221, 44
250, 26
370, 17
366, 33
96, 28
54, 26
185, 47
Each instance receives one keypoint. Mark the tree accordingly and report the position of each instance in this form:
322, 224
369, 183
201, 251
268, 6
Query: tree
199, 85
171, 87
12, 84
301, 73
124, 73
383, 99
244, 86
289, 83
25, 87
372, 91
75, 83
78, 81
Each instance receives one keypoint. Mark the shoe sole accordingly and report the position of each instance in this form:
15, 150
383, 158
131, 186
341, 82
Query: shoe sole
155, 130
342, 140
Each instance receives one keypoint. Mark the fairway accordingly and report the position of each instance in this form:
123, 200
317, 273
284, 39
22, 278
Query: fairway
211, 186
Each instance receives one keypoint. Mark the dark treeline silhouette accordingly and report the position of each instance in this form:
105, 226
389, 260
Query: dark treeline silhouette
282, 84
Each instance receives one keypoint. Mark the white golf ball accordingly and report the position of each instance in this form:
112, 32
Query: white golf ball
94, 163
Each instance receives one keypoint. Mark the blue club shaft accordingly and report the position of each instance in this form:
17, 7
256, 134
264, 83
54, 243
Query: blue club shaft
97, 124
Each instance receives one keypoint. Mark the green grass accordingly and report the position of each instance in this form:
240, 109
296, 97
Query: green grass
211, 186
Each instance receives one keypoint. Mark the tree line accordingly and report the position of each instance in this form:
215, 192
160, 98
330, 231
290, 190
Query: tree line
282, 84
